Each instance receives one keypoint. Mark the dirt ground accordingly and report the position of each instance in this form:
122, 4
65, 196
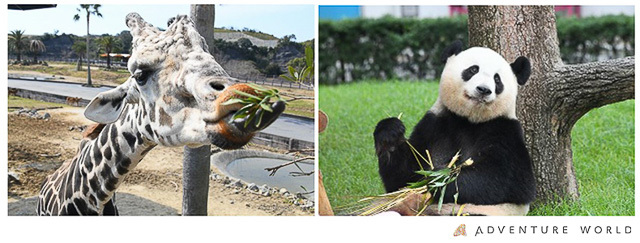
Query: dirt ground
37, 147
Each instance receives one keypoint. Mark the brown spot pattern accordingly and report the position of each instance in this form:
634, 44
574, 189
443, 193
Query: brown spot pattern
165, 119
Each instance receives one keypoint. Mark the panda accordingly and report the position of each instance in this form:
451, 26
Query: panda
475, 115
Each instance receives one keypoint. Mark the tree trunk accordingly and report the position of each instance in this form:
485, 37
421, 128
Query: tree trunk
203, 15
108, 59
79, 64
556, 95
88, 53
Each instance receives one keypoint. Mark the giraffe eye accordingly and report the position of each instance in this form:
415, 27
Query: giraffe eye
141, 76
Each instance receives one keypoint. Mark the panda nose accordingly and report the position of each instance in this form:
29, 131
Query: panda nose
483, 90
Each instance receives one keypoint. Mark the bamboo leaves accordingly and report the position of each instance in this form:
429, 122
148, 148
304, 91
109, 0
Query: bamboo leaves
433, 183
254, 105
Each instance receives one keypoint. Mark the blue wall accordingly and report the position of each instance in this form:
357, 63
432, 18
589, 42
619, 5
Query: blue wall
339, 11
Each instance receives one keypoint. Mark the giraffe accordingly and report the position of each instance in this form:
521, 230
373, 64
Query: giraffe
174, 97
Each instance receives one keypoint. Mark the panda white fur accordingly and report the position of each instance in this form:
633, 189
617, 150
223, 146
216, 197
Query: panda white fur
474, 114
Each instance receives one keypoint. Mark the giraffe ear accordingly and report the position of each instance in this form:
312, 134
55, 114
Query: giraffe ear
107, 106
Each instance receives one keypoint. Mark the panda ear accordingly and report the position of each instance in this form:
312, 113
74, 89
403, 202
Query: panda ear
522, 69
454, 49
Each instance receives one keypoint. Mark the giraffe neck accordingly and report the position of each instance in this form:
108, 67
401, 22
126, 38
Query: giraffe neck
100, 166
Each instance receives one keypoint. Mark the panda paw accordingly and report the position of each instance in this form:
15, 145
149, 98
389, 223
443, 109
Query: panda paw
388, 135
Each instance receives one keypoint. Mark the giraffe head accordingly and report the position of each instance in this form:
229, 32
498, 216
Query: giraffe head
176, 90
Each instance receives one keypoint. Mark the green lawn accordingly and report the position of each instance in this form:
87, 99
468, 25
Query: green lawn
15, 101
603, 146
69, 69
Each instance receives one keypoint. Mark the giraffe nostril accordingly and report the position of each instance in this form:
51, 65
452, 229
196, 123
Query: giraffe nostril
217, 86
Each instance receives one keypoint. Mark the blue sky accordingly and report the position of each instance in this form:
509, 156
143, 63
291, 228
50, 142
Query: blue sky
278, 20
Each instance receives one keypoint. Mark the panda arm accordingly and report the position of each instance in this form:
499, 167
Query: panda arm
501, 172
393, 155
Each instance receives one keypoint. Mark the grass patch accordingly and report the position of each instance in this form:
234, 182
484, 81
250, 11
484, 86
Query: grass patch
603, 146
16, 101
603, 155
262, 36
68, 69
300, 108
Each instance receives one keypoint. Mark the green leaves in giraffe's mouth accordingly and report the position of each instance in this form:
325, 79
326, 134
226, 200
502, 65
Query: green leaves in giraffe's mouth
258, 110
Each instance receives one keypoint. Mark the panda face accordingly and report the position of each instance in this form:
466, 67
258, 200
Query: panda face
479, 84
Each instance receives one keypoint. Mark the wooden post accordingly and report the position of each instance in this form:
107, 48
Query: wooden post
196, 167
196, 164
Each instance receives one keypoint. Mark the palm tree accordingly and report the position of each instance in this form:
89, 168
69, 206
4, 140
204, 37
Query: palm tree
18, 41
36, 47
108, 44
90, 9
80, 49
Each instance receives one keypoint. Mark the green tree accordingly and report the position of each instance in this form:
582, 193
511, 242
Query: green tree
125, 39
36, 47
89, 9
108, 44
301, 72
80, 49
244, 43
286, 40
18, 41
272, 69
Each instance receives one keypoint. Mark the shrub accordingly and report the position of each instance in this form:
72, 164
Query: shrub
388, 47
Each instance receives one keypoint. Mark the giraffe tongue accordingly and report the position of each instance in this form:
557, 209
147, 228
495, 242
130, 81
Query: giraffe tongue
267, 119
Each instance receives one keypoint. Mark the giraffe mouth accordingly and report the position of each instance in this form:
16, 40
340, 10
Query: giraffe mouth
262, 119
235, 133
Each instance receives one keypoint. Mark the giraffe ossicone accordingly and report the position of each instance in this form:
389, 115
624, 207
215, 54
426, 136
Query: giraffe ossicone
175, 96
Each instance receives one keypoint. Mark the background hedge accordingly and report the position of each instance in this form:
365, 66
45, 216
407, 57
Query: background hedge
403, 48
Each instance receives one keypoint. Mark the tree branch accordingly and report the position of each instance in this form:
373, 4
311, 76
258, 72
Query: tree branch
300, 98
576, 89
275, 169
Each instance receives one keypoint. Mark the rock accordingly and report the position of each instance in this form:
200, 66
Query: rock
237, 183
283, 191
235, 191
46, 116
264, 187
252, 187
307, 205
14, 177
265, 190
232, 202
248, 206
216, 177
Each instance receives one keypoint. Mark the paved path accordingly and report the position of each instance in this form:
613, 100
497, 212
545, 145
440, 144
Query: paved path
286, 126
65, 89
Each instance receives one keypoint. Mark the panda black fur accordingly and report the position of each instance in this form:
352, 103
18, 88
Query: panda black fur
475, 115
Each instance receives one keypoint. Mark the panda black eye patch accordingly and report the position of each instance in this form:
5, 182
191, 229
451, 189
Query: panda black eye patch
469, 72
499, 85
